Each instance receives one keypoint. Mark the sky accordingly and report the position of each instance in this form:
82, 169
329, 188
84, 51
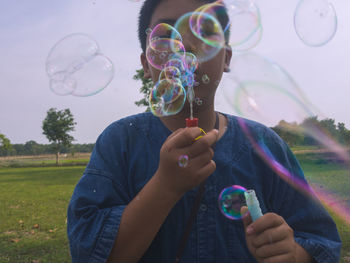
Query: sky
29, 30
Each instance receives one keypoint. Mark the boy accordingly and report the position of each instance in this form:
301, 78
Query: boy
134, 200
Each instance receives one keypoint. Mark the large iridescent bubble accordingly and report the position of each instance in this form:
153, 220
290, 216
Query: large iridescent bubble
76, 66
202, 34
261, 90
315, 22
244, 22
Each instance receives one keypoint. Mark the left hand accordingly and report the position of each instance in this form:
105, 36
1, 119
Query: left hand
270, 239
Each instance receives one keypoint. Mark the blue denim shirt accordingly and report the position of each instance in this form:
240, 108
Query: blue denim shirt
126, 156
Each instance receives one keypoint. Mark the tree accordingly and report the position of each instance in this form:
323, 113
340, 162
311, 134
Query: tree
32, 148
5, 145
147, 85
291, 133
56, 127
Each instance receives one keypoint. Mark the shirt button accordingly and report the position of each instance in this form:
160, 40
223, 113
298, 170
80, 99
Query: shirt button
203, 207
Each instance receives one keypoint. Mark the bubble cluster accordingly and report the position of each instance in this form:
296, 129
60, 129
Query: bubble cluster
183, 161
230, 201
76, 66
167, 53
167, 97
315, 22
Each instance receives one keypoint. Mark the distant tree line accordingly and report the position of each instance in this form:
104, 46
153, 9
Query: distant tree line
293, 133
306, 132
34, 148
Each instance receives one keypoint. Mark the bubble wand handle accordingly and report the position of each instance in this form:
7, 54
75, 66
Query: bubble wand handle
253, 204
191, 122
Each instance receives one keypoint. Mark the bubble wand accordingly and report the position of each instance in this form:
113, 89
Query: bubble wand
191, 122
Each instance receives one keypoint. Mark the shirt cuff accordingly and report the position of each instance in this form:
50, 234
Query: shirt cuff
318, 253
107, 236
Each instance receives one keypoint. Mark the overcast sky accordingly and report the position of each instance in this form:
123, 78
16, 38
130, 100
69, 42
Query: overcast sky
29, 29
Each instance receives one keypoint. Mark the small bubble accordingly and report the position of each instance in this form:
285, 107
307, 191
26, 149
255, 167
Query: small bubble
230, 200
205, 79
183, 161
94, 190
198, 101
148, 31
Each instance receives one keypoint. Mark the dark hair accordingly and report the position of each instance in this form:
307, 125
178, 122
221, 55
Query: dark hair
147, 11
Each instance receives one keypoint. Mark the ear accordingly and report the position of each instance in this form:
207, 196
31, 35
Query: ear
228, 56
145, 65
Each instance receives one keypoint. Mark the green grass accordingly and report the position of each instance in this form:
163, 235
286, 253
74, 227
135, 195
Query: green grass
80, 159
33, 205
326, 173
33, 213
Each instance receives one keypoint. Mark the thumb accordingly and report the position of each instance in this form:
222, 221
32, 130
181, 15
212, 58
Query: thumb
246, 218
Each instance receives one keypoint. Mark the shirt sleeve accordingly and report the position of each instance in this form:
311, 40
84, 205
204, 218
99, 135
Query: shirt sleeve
97, 203
313, 227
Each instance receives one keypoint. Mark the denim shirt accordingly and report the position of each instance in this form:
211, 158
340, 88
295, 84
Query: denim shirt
126, 156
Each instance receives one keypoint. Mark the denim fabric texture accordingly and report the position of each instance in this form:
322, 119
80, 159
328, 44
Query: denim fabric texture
126, 156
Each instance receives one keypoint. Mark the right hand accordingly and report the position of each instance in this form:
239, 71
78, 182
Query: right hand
179, 180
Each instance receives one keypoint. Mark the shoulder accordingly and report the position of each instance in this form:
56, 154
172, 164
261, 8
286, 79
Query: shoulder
252, 130
119, 139
126, 127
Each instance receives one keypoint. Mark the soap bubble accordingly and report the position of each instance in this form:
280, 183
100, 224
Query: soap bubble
261, 90
183, 161
167, 97
186, 63
164, 31
205, 79
191, 62
76, 66
159, 51
315, 22
230, 201
244, 21
198, 101
170, 73
328, 194
202, 34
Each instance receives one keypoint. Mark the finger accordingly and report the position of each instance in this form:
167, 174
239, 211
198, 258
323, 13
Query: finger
272, 250
268, 220
203, 159
246, 218
202, 144
183, 138
206, 171
285, 258
272, 235
174, 133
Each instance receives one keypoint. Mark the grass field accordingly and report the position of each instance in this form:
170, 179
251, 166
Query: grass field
33, 204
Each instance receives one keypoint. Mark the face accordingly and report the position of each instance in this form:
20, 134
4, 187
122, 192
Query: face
208, 73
